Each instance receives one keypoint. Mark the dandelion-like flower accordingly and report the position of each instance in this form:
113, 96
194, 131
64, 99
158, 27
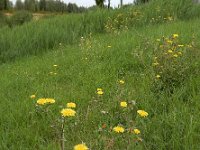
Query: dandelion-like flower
175, 35
50, 100
180, 45
109, 46
170, 51
32, 96
175, 55
81, 147
118, 129
67, 112
123, 104
121, 81
158, 76
136, 131
142, 113
41, 101
99, 91
55, 65
71, 105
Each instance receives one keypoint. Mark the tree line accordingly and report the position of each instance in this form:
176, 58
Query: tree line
41, 5
54, 5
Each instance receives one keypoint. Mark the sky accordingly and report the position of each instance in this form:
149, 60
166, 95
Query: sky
87, 3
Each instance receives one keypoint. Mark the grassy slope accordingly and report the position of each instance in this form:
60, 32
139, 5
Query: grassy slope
172, 123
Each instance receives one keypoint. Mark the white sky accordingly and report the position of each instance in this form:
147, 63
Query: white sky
87, 3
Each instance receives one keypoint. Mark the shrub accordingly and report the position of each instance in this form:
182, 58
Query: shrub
20, 18
173, 63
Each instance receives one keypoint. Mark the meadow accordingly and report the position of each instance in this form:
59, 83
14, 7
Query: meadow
112, 79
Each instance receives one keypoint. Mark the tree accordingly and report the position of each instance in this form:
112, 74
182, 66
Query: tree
108, 4
100, 3
141, 1
19, 5
42, 5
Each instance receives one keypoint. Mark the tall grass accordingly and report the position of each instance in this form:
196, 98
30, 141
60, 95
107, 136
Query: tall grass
39, 36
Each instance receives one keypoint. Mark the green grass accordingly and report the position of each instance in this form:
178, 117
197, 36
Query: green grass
173, 121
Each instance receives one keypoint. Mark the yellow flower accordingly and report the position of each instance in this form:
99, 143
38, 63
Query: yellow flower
109, 46
121, 81
41, 101
180, 53
180, 45
175, 35
55, 65
142, 113
81, 147
71, 105
136, 131
158, 40
123, 104
175, 55
99, 91
67, 112
170, 51
118, 129
32, 96
50, 100
169, 41
155, 64
158, 76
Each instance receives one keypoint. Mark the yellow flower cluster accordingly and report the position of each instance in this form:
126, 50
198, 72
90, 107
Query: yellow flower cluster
121, 81
71, 105
43, 101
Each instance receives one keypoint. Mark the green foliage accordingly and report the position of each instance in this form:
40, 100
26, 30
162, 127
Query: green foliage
100, 3
3, 20
173, 63
20, 18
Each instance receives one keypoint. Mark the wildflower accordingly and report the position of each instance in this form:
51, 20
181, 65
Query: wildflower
180, 53
123, 104
60, 44
170, 18
55, 73
99, 91
175, 55
155, 64
180, 45
142, 113
81, 147
71, 105
170, 51
50, 72
175, 35
50, 100
158, 76
109, 46
67, 112
169, 41
32, 96
118, 129
121, 81
136, 131
41, 101
55, 65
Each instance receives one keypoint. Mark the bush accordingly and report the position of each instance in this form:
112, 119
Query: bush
173, 63
2, 19
20, 18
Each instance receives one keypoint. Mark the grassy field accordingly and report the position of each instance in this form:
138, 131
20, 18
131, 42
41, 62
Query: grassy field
153, 67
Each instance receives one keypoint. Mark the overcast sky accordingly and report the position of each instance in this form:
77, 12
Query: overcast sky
87, 3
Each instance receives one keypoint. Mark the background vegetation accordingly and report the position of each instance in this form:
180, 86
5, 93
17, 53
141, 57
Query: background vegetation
68, 57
